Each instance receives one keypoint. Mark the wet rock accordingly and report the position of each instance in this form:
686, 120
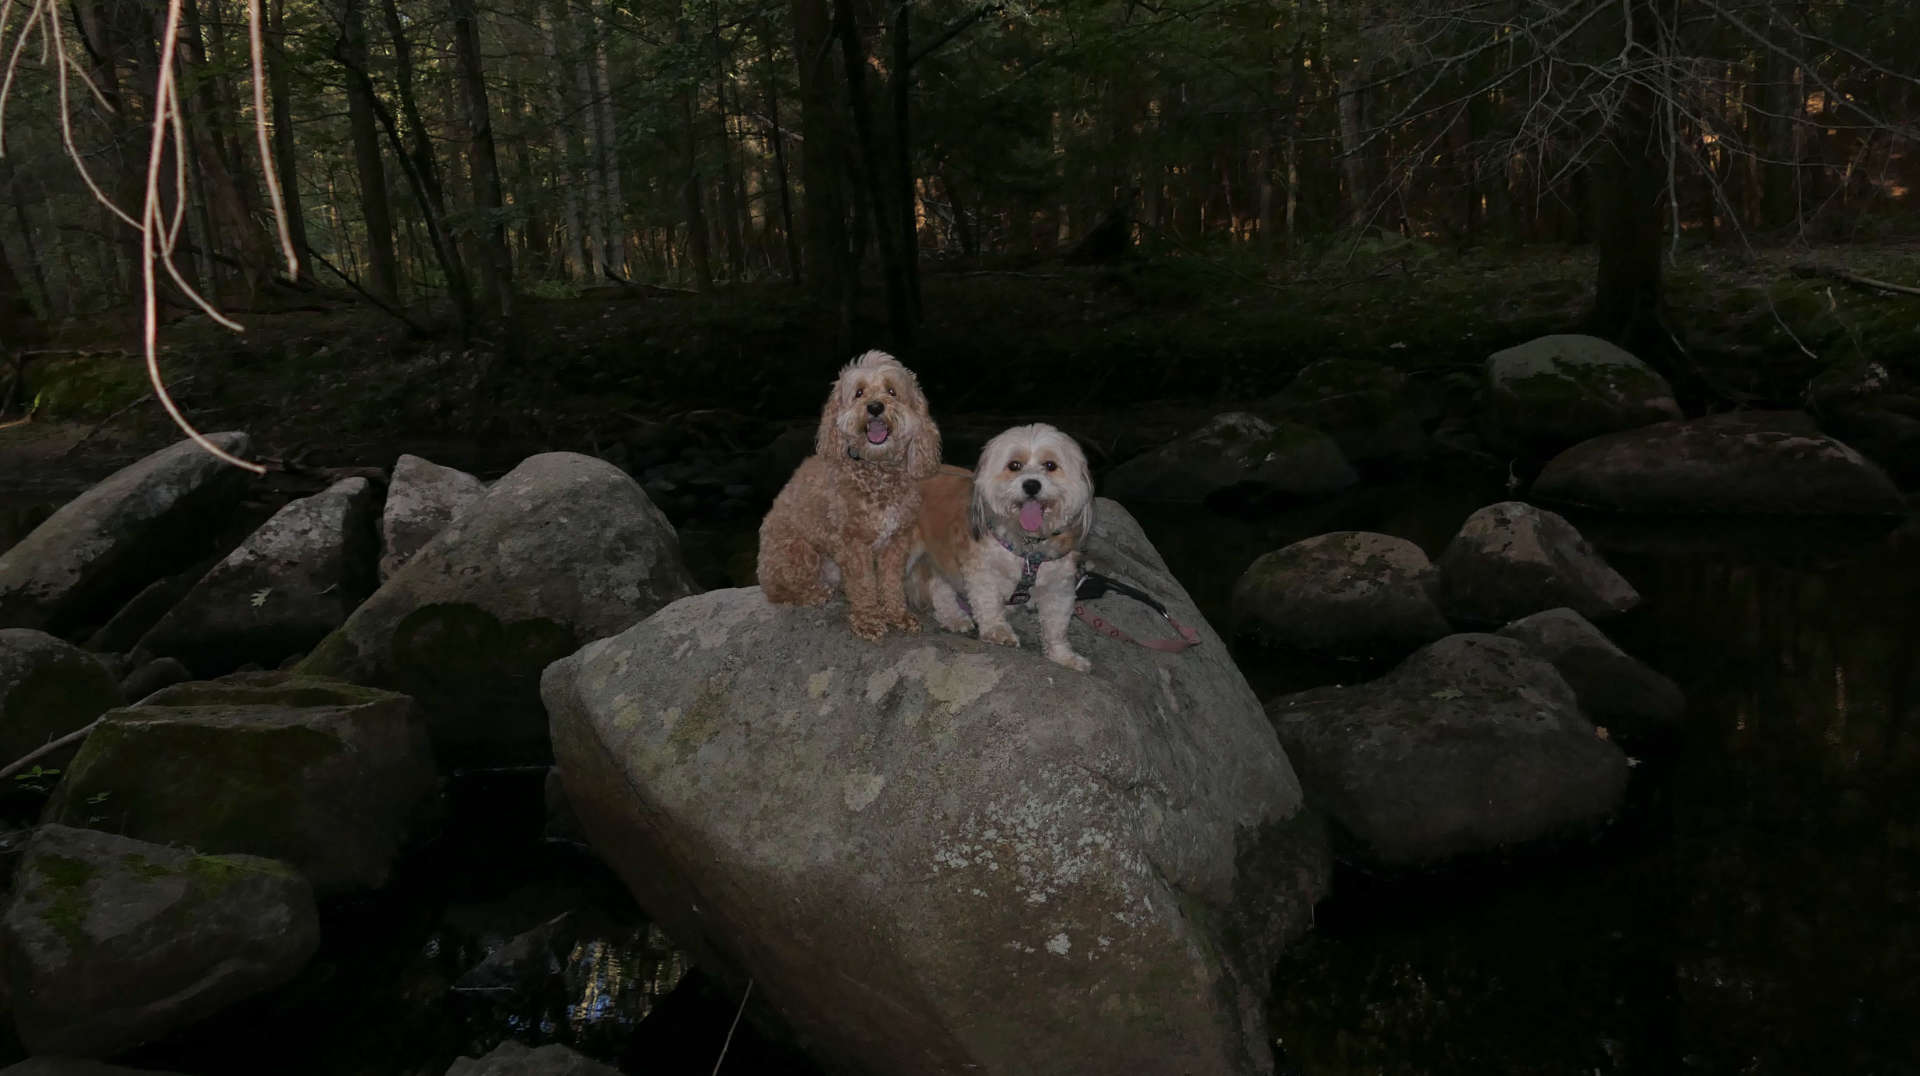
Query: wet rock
328, 776
1470, 746
153, 675
1362, 405
525, 959
1746, 463
885, 836
143, 521
563, 550
1511, 559
113, 941
422, 497
1560, 390
517, 1059
1346, 593
1887, 437
290, 583
1615, 689
1235, 452
48, 688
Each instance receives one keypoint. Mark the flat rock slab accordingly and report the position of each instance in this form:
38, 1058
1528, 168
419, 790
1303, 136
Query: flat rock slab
143, 521
1745, 463
1470, 746
518, 1059
328, 776
292, 581
112, 942
935, 855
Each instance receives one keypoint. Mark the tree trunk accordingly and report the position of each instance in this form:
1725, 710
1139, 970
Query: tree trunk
574, 244
484, 164
614, 244
285, 160
831, 272
383, 273
1351, 110
698, 250
853, 57
1626, 189
902, 86
778, 140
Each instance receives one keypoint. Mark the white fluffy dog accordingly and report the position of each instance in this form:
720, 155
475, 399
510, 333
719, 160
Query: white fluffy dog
1009, 532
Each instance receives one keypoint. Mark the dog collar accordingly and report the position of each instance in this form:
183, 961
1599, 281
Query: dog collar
1029, 567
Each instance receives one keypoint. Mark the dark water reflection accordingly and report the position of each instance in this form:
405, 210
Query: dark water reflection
1756, 910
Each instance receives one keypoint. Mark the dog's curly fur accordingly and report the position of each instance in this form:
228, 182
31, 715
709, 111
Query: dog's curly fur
1032, 494
846, 516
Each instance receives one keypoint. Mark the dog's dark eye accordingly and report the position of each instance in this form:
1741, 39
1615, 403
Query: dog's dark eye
1013, 465
890, 392
857, 393
1051, 466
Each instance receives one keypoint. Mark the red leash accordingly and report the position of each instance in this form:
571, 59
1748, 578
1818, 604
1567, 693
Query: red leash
1093, 584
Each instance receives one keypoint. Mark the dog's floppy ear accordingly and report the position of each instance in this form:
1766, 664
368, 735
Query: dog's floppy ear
826, 440
923, 453
979, 512
1083, 474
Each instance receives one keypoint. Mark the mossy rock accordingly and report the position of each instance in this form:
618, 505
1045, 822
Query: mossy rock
1560, 390
48, 688
88, 386
114, 941
335, 779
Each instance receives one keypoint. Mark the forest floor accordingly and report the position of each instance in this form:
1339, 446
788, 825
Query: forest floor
1135, 351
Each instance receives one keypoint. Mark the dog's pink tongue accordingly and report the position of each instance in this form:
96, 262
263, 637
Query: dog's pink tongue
876, 431
1032, 517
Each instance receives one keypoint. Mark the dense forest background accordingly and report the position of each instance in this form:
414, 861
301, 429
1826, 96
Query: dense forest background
467, 156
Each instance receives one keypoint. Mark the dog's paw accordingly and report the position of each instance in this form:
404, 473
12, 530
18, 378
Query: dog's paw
959, 625
1071, 660
999, 635
906, 622
868, 627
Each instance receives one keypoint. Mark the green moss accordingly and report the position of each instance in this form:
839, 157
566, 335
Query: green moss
336, 656
273, 689
88, 386
697, 726
144, 867
218, 872
64, 883
220, 783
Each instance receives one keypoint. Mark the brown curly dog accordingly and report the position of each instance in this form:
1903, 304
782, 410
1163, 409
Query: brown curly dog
846, 516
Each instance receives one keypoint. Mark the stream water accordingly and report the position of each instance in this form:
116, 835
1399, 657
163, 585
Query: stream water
1756, 909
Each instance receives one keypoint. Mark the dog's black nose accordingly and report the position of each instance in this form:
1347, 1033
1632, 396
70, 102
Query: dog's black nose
876, 407
1032, 486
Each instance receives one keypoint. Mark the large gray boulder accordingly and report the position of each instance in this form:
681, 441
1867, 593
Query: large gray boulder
1744, 463
143, 521
518, 1059
1615, 689
1469, 746
935, 855
1560, 390
1239, 452
563, 550
422, 498
291, 582
1348, 593
48, 688
331, 777
112, 942
1511, 559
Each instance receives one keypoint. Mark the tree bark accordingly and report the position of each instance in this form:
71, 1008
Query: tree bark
285, 160
383, 271
484, 164
778, 141
830, 269
881, 214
